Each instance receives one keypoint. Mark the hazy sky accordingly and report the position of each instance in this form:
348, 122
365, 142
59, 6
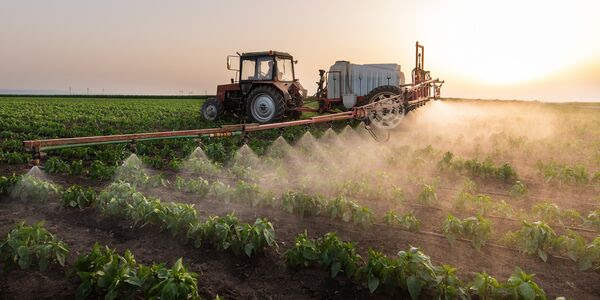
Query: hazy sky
547, 50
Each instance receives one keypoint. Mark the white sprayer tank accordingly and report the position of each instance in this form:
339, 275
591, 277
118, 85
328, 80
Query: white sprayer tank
359, 80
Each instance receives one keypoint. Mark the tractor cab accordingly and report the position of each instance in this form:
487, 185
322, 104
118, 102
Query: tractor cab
264, 66
264, 90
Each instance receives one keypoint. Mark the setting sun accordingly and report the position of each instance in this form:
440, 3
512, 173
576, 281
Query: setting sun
513, 41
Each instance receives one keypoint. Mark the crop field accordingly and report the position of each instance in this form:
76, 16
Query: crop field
467, 199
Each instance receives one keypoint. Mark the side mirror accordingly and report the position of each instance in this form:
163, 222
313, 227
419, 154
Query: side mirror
296, 62
229, 67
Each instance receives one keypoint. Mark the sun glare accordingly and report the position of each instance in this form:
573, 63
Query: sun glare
505, 43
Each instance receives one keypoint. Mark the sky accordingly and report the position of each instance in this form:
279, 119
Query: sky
532, 50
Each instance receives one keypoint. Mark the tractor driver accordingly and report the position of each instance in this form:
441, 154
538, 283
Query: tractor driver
265, 74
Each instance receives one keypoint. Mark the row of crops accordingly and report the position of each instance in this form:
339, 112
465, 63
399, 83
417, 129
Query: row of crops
476, 229
535, 238
103, 271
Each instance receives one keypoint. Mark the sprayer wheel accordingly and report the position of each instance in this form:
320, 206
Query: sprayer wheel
382, 92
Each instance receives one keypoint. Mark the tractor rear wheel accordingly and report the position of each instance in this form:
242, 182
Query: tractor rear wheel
212, 109
265, 104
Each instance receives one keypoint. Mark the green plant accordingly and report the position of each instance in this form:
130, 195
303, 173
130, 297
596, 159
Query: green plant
155, 162
228, 233
100, 171
563, 174
340, 207
248, 192
534, 238
551, 213
175, 217
469, 186
174, 283
428, 196
593, 219
380, 271
76, 167
338, 256
242, 172
586, 256
303, 253
520, 285
7, 183
476, 168
486, 287
452, 228
199, 186
31, 188
106, 272
27, 246
78, 197
16, 158
201, 166
476, 229
407, 222
222, 191
55, 165
417, 272
482, 204
397, 195
216, 152
591, 258
448, 285
302, 204
517, 190
573, 245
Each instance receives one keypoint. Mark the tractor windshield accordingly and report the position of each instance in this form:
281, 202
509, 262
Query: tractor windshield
285, 71
260, 68
264, 68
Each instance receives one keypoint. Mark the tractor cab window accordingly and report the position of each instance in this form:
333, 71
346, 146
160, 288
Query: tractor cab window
257, 68
248, 69
285, 71
265, 68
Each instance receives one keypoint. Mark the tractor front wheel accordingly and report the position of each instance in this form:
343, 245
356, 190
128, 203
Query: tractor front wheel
265, 104
212, 109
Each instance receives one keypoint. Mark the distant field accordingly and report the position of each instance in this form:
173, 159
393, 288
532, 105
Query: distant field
476, 185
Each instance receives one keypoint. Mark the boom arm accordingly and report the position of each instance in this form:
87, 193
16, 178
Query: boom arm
361, 112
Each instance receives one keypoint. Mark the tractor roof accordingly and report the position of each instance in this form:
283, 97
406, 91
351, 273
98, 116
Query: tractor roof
266, 53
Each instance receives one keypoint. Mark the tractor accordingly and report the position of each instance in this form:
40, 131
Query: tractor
265, 89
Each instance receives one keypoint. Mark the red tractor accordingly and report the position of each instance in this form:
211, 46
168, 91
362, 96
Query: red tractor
266, 89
